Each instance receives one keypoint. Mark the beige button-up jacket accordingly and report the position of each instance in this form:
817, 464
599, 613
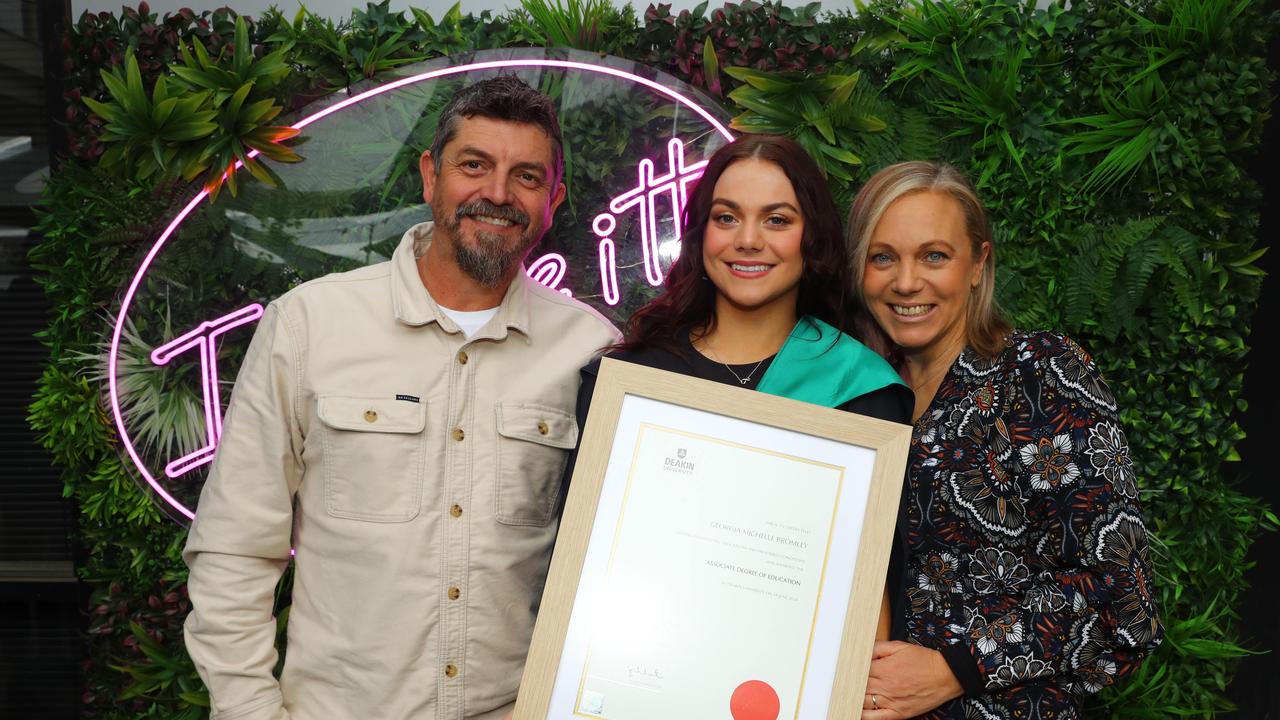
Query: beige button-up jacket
417, 475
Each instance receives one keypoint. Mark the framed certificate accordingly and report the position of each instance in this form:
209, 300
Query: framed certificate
722, 555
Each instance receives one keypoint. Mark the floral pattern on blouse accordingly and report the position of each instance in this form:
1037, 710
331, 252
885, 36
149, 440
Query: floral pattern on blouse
1024, 540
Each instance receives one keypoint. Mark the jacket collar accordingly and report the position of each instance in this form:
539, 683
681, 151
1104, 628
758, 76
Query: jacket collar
413, 305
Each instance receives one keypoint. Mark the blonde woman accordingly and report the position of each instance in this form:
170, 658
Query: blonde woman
1022, 581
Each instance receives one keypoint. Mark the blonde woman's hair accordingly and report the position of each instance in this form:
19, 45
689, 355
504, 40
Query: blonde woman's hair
986, 328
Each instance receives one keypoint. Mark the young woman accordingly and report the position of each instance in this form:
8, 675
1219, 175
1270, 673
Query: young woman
1024, 582
759, 296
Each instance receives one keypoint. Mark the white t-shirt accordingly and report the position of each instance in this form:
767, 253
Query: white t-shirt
471, 321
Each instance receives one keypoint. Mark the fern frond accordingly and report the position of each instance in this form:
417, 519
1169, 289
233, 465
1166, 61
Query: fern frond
1139, 267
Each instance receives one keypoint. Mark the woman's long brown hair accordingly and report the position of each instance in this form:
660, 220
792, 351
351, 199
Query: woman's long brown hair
688, 300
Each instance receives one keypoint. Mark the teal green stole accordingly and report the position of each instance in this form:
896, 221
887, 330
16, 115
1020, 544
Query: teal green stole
821, 365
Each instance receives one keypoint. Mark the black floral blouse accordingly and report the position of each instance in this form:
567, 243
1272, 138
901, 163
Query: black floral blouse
1025, 554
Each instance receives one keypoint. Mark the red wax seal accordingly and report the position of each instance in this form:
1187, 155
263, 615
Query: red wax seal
754, 700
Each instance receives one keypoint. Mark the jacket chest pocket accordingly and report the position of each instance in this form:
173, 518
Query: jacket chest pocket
373, 457
533, 446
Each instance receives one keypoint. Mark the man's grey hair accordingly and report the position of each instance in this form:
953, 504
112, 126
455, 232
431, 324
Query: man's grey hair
505, 97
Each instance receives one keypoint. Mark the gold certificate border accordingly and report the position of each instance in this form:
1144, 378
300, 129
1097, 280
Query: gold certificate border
617, 534
545, 670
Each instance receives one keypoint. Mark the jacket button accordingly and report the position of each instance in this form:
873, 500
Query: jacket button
462, 358
370, 416
456, 511
454, 593
543, 428
458, 434
450, 670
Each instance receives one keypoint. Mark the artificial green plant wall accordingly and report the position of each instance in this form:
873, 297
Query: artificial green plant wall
1108, 139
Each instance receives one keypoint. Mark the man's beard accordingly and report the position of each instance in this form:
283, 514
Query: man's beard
491, 260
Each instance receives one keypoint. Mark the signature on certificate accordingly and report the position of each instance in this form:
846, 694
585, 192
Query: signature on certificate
643, 672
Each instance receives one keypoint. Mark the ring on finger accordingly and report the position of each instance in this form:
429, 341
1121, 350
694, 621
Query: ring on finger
874, 704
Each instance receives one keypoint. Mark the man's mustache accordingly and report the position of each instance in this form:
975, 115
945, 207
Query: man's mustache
488, 209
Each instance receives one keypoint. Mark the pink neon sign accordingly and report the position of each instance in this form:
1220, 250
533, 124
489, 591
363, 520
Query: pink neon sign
675, 185
549, 269
204, 338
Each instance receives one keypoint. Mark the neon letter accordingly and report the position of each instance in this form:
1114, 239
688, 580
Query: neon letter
674, 183
204, 337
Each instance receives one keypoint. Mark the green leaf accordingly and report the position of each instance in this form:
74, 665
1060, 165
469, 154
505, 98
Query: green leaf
752, 123
243, 50
162, 111
867, 123
1248, 259
759, 79
841, 154
817, 116
102, 110
876, 43
202, 56
188, 130
232, 109
262, 172
424, 19
115, 86
710, 64
758, 103
135, 92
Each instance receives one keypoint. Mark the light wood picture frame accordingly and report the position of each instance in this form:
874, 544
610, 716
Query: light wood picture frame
668, 561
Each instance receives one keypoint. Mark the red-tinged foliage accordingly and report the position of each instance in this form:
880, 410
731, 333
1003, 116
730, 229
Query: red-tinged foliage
764, 36
160, 613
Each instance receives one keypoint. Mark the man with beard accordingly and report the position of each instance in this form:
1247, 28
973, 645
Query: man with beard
403, 429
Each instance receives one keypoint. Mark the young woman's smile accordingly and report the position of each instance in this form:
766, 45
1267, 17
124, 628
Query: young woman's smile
752, 245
